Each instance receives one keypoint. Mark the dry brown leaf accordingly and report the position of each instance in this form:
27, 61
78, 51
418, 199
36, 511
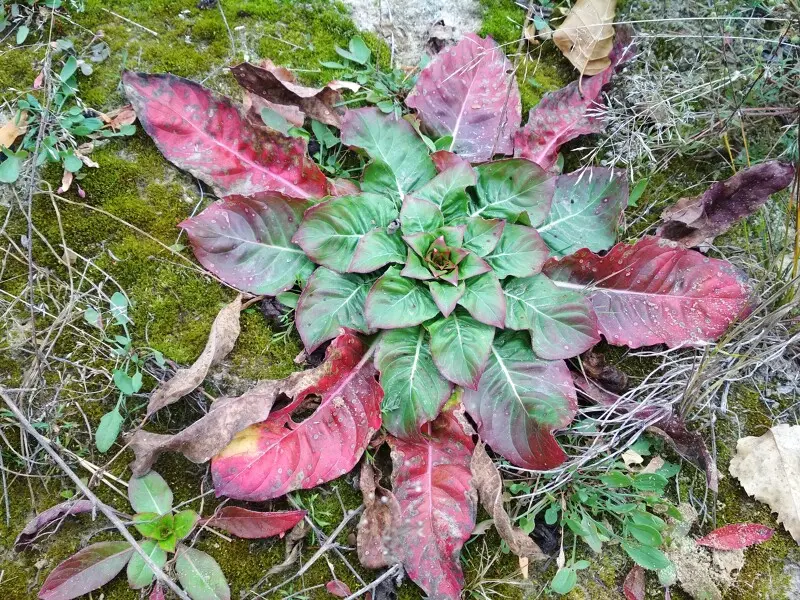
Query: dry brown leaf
690, 445
381, 514
207, 436
487, 480
586, 36
253, 106
768, 467
224, 332
119, 117
13, 129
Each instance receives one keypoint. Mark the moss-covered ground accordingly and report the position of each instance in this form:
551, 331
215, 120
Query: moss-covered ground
125, 231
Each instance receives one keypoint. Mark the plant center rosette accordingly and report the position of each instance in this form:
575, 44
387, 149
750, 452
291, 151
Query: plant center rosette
470, 271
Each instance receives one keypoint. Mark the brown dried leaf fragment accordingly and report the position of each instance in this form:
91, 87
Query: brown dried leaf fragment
690, 445
698, 220
381, 514
14, 128
207, 436
71, 507
486, 478
224, 332
278, 86
768, 467
586, 36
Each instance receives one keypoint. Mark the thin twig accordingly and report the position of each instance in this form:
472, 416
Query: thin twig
386, 575
127, 20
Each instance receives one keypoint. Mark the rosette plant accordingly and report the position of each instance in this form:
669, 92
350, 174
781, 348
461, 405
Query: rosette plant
463, 269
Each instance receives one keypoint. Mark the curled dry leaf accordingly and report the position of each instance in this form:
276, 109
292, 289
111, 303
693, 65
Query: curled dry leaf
486, 478
224, 332
690, 445
698, 220
633, 588
14, 128
253, 524
586, 35
71, 507
279, 87
118, 118
209, 435
768, 467
736, 536
608, 376
379, 519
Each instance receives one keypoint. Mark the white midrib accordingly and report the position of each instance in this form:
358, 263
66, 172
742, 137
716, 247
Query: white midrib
415, 363
576, 286
507, 375
460, 117
263, 245
506, 200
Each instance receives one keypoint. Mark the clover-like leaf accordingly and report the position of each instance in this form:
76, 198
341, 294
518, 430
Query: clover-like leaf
414, 390
329, 302
396, 301
469, 92
520, 252
392, 141
561, 322
483, 298
482, 235
200, 575
86, 570
586, 210
460, 346
150, 493
246, 242
508, 188
331, 231
519, 401
655, 292
139, 574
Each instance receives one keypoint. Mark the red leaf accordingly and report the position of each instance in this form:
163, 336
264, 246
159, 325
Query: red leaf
469, 92
85, 571
433, 484
206, 135
252, 524
71, 507
157, 593
278, 455
634, 584
247, 242
444, 160
563, 115
655, 292
338, 588
736, 536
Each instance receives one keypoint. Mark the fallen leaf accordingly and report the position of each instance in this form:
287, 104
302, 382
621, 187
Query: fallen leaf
569, 112
253, 105
608, 376
14, 128
119, 117
768, 467
253, 524
338, 588
55, 513
736, 536
278, 456
66, 182
690, 445
469, 92
593, 391
698, 220
221, 339
631, 458
586, 36
208, 436
86, 570
633, 588
279, 87
380, 517
292, 548
486, 478
654, 465
206, 135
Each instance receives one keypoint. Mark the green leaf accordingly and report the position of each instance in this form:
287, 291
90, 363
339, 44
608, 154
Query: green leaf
127, 384
645, 556
92, 317
460, 346
22, 34
482, 235
415, 268
274, 120
70, 66
484, 299
153, 525
329, 302
10, 168
392, 141
378, 178
185, 521
377, 249
445, 295
150, 493
139, 574
108, 430
615, 479
119, 308
566, 578
507, 188
472, 266
649, 482
359, 50
419, 216
561, 322
645, 534
396, 301
645, 518
551, 514
169, 543
324, 134
200, 575
637, 191
520, 252
414, 391
587, 206
448, 191
330, 232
